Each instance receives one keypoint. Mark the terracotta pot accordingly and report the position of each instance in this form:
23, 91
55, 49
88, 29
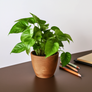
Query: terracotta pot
44, 67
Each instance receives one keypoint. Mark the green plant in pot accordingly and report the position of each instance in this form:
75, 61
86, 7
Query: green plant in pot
46, 42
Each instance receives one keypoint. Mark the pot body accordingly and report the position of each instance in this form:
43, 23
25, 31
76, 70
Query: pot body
44, 67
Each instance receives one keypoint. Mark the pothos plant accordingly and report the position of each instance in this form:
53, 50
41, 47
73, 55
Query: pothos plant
45, 41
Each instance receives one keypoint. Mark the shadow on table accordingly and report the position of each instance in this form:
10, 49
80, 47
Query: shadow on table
44, 85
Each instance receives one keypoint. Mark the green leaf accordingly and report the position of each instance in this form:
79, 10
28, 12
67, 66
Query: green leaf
28, 51
35, 17
58, 32
54, 28
36, 46
29, 20
42, 21
19, 27
68, 37
44, 27
19, 48
60, 43
29, 42
27, 33
37, 34
27, 39
42, 46
39, 21
47, 34
51, 47
62, 37
65, 58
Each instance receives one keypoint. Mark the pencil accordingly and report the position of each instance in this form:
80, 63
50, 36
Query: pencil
71, 67
74, 65
70, 71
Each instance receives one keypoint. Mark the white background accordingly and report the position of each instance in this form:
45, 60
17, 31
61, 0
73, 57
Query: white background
71, 16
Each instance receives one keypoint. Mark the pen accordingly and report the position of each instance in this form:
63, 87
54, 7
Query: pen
70, 71
74, 65
71, 67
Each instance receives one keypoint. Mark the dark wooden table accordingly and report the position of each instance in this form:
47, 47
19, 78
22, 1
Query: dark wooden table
21, 78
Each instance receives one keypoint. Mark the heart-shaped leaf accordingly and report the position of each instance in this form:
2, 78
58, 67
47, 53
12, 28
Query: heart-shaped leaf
51, 47
27, 33
29, 42
65, 58
37, 34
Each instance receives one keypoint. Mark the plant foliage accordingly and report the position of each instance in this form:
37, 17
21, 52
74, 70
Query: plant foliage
44, 40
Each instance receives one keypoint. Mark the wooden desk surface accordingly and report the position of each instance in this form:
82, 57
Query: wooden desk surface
21, 78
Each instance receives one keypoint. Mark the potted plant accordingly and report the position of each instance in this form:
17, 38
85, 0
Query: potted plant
45, 41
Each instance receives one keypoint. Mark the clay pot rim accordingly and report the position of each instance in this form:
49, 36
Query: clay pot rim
44, 56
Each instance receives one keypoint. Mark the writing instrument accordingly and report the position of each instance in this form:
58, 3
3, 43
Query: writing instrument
71, 67
74, 65
70, 71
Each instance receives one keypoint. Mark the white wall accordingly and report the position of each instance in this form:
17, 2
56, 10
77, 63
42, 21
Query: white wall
71, 16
